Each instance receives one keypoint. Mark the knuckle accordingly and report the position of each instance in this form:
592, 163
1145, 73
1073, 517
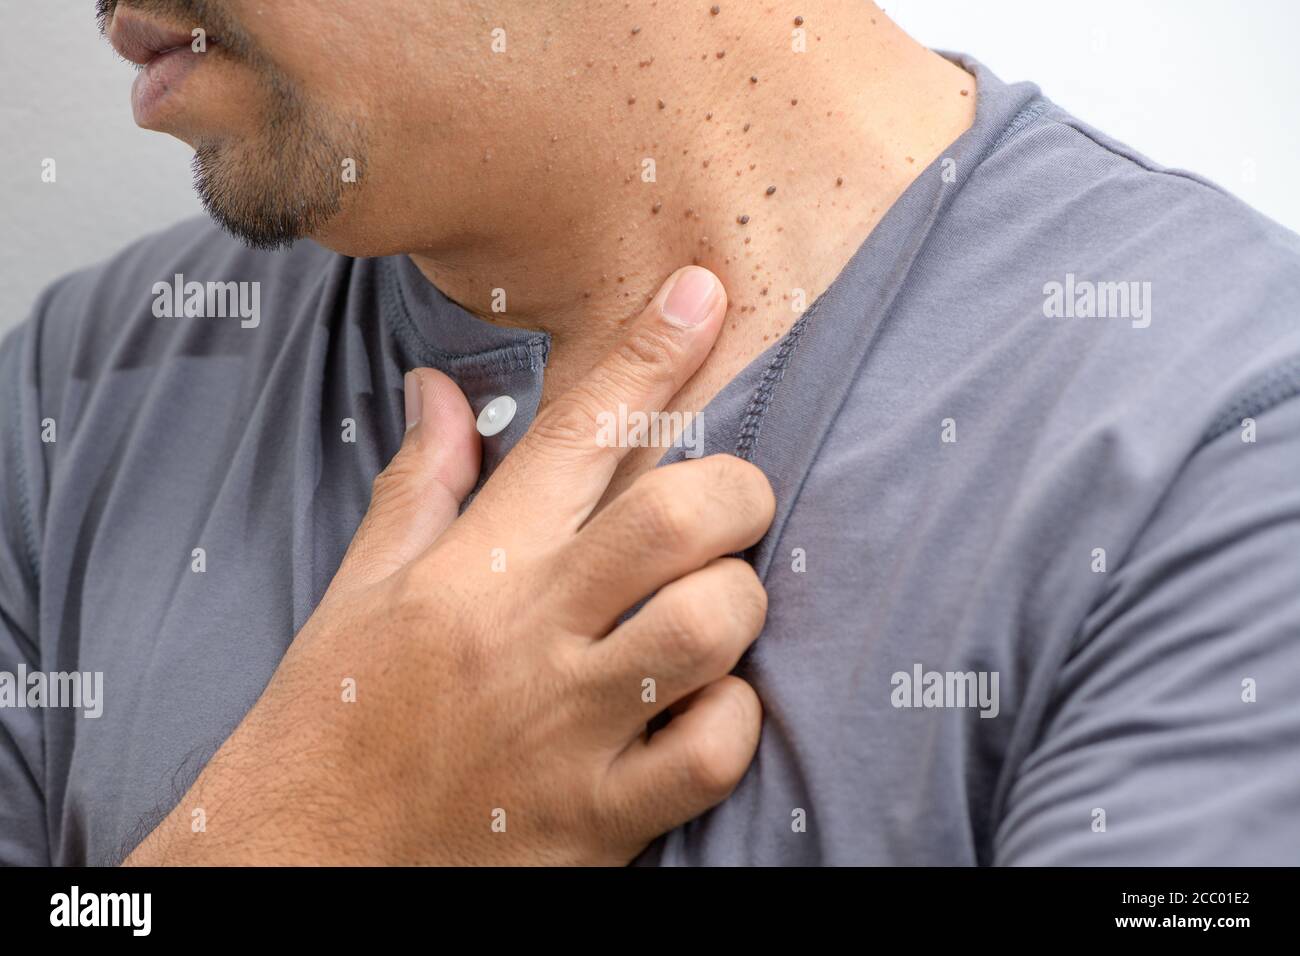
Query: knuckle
711, 766
390, 493
667, 516
383, 483
392, 487
746, 721
567, 421
746, 596
690, 638
363, 558
647, 347
745, 487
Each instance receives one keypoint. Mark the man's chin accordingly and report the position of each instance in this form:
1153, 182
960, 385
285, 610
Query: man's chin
252, 219
270, 191
278, 223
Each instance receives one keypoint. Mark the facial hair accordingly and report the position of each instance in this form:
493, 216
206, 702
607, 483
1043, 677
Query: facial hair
286, 179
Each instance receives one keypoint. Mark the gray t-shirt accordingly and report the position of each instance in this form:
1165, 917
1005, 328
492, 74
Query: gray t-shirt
1034, 574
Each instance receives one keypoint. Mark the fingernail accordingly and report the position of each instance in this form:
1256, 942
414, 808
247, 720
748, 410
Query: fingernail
688, 301
414, 399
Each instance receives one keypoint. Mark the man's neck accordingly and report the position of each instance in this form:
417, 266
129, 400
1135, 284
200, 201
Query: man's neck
638, 189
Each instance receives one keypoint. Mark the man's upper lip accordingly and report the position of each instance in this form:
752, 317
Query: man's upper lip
139, 39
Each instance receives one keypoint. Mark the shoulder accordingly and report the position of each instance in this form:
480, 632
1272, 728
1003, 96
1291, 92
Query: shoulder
1105, 286
1084, 197
1073, 317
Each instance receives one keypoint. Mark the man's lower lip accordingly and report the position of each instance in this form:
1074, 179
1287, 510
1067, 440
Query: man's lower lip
159, 79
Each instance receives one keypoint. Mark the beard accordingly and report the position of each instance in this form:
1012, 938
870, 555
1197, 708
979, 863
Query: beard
285, 181
290, 176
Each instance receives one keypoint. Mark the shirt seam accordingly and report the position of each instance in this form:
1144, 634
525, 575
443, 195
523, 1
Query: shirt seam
25, 510
765, 392
775, 372
1275, 386
761, 399
1066, 121
1020, 122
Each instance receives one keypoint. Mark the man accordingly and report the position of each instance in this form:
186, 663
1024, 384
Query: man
1027, 404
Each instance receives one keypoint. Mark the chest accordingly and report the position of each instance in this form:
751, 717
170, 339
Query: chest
180, 560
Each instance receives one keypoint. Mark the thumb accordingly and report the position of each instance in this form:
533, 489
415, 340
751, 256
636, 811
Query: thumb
418, 495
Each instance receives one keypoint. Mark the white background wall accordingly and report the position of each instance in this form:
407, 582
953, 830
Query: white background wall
66, 96
1205, 85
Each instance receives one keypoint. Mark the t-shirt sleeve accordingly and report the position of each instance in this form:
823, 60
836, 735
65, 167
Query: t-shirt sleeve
1174, 733
23, 832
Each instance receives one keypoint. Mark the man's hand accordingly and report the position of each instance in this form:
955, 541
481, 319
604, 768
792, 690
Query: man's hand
501, 708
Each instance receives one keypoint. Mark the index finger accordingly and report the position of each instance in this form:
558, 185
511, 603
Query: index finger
561, 467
